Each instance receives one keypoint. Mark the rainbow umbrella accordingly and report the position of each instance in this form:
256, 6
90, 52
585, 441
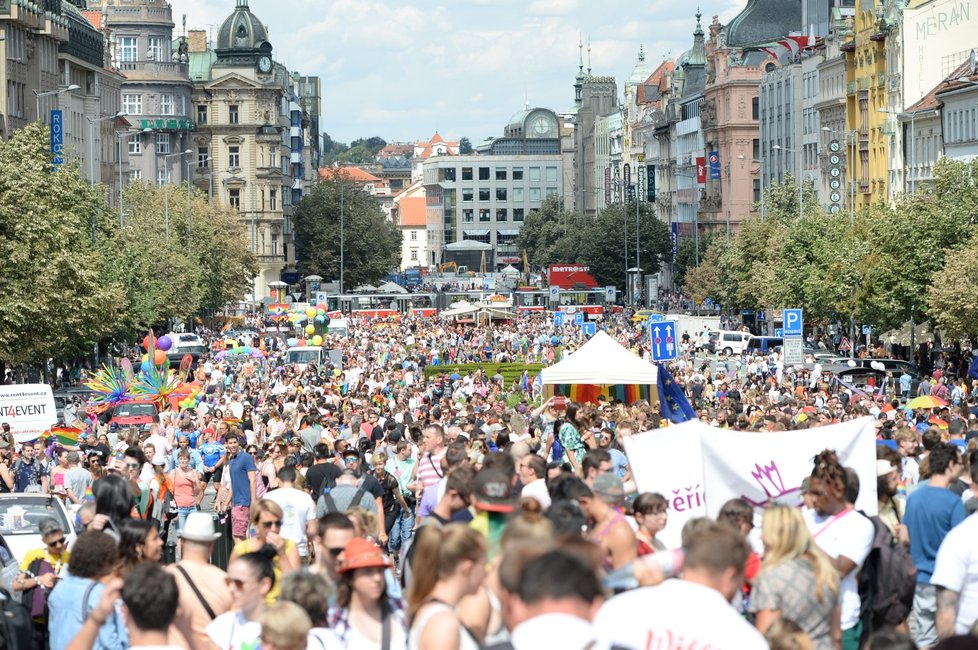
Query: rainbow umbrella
926, 402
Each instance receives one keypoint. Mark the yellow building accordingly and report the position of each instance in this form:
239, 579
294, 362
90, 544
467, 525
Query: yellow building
866, 103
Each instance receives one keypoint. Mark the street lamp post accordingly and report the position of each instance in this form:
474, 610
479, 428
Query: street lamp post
166, 190
801, 199
49, 93
342, 259
638, 249
92, 121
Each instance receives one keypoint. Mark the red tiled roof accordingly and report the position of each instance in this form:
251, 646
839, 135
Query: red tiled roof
354, 174
931, 100
93, 16
412, 211
658, 78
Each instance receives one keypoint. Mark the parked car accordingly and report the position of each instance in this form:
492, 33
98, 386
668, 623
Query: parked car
731, 342
185, 343
21, 515
764, 344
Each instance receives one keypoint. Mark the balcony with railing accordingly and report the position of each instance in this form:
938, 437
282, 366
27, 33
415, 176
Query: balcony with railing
169, 70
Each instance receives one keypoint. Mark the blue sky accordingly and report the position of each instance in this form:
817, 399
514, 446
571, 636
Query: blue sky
402, 69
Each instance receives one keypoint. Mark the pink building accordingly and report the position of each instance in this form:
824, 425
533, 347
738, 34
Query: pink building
729, 119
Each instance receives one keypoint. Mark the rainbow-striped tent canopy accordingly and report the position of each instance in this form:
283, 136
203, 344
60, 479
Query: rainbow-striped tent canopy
601, 367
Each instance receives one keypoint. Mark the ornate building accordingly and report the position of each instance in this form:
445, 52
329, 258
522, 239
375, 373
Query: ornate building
156, 89
248, 129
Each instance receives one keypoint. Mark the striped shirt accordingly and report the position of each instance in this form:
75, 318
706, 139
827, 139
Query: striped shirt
429, 468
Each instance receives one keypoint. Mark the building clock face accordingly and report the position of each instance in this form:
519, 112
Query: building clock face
265, 64
542, 127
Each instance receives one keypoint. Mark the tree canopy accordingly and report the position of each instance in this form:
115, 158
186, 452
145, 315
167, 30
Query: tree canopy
552, 235
371, 246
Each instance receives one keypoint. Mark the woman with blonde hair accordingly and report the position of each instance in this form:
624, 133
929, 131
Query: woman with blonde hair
455, 559
266, 523
796, 582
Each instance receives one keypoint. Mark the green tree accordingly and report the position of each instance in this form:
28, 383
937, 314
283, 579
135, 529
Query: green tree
332, 149
371, 243
686, 254
356, 155
951, 297
56, 301
543, 231
373, 144
601, 242
464, 146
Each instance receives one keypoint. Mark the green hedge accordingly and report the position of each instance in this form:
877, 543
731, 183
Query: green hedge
510, 371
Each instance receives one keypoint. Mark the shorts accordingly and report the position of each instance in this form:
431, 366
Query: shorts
923, 625
240, 520
217, 474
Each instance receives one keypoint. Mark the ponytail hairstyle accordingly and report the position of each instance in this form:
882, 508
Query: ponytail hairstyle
262, 562
440, 550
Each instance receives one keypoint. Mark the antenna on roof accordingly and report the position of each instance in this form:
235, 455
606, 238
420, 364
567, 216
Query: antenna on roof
589, 54
526, 99
184, 24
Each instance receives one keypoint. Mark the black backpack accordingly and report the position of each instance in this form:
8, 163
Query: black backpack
16, 626
331, 505
886, 581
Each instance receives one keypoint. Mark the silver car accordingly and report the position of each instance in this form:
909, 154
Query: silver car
20, 516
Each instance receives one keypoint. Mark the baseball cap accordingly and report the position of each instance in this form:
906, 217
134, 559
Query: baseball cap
361, 553
493, 491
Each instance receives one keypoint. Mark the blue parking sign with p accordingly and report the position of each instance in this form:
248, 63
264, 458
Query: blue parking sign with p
579, 318
793, 322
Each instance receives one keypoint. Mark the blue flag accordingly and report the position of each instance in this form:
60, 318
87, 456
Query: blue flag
672, 400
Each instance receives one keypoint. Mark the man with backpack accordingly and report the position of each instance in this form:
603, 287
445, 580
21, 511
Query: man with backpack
932, 511
347, 494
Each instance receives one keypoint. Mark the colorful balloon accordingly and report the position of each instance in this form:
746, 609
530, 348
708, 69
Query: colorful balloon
164, 343
317, 340
310, 329
159, 357
311, 312
291, 342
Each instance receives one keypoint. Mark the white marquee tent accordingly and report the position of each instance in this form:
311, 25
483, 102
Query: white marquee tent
601, 363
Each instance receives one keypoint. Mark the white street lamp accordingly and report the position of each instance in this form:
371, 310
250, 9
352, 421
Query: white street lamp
49, 93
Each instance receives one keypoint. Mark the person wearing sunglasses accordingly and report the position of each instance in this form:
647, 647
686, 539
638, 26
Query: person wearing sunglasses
266, 528
334, 532
40, 570
250, 580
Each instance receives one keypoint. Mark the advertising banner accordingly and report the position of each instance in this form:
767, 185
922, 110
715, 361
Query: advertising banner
28, 409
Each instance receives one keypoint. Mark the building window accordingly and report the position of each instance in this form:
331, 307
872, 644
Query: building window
132, 104
233, 114
552, 174
756, 149
414, 254
467, 195
534, 174
757, 190
155, 50
234, 198
553, 190
466, 173
274, 244
448, 174
201, 114
517, 173
534, 193
484, 216
167, 105
234, 156
500, 174
203, 157
517, 193
483, 173
136, 144
162, 144
127, 49
517, 214
467, 215
484, 193
502, 214
162, 177
754, 108
414, 235
271, 156
273, 199
135, 174
500, 193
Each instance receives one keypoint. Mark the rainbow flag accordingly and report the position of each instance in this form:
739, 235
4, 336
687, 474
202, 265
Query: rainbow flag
67, 435
583, 393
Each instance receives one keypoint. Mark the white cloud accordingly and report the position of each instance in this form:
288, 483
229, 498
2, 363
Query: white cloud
401, 69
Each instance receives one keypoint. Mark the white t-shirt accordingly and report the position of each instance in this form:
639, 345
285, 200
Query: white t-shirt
161, 447
323, 638
956, 569
537, 490
298, 508
675, 614
848, 534
555, 630
231, 631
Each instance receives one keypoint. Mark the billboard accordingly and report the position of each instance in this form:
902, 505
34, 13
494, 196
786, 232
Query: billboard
571, 276
28, 409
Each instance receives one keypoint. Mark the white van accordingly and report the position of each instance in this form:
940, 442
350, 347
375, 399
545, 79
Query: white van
304, 355
339, 327
730, 342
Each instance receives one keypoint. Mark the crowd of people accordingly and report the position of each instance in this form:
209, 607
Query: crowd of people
393, 503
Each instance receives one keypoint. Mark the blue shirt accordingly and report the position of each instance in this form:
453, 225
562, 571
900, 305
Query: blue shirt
931, 513
195, 460
67, 613
27, 474
239, 466
211, 453
619, 462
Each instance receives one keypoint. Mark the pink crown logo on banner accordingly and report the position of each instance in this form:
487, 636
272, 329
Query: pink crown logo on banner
769, 478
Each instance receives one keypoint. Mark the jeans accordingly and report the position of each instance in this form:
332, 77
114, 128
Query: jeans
402, 531
182, 513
